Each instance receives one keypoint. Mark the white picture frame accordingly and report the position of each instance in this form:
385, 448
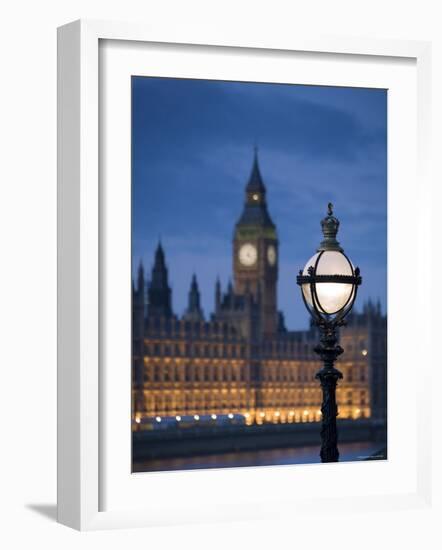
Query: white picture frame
81, 471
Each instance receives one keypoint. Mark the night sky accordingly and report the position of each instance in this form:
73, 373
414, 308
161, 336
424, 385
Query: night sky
192, 146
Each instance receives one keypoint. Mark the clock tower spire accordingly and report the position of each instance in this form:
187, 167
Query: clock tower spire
255, 251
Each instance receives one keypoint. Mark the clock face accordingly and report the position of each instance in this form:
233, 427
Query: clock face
248, 254
271, 255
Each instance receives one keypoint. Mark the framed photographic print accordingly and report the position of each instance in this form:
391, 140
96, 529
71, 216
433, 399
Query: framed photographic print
224, 364
231, 221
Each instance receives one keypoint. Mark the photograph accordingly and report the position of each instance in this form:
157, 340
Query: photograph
259, 274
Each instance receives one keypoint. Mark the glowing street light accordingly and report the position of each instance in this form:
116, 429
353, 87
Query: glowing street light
329, 285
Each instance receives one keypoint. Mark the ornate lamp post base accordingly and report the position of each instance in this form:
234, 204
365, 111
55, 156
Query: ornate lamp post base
329, 432
329, 351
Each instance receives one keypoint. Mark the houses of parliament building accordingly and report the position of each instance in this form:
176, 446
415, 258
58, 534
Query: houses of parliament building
242, 362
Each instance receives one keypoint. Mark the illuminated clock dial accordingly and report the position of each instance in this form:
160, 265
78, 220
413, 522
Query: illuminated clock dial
271, 255
248, 254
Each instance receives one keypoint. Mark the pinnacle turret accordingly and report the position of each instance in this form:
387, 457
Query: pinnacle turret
140, 278
159, 291
217, 294
194, 311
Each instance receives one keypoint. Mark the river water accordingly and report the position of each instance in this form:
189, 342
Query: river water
269, 457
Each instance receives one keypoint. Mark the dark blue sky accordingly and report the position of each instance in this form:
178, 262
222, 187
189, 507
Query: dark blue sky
192, 155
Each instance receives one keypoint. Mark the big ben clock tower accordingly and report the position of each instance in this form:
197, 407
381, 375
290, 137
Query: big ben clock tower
255, 251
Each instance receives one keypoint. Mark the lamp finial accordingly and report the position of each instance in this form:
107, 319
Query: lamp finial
330, 227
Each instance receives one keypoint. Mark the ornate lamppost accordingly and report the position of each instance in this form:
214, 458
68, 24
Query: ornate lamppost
329, 285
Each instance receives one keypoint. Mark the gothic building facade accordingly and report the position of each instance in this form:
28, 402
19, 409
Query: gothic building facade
242, 361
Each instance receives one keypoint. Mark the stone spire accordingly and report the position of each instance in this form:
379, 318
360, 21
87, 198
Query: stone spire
217, 294
194, 311
159, 292
140, 288
255, 213
140, 278
255, 183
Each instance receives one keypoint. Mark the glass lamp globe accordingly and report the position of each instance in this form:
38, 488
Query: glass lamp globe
329, 280
331, 297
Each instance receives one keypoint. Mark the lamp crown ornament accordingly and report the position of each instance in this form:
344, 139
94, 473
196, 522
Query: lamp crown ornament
330, 228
